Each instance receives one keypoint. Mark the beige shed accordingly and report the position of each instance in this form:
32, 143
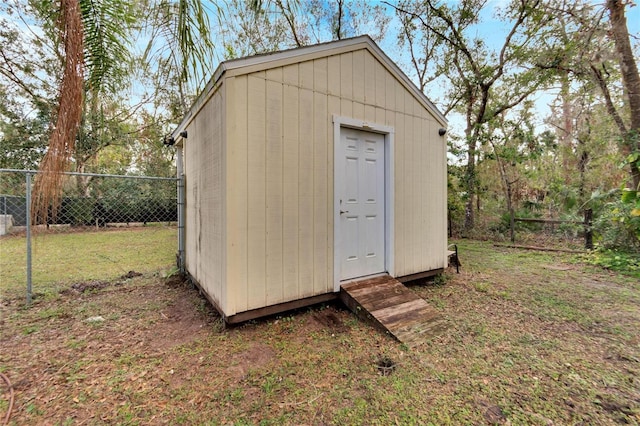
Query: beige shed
308, 168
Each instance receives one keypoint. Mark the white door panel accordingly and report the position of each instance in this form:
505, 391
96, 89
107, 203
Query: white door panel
360, 186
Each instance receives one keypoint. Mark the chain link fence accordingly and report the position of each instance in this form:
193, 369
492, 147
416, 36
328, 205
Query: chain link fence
106, 226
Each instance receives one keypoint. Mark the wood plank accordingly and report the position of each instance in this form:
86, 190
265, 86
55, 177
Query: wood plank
365, 283
550, 221
406, 315
420, 275
540, 248
394, 308
366, 295
378, 303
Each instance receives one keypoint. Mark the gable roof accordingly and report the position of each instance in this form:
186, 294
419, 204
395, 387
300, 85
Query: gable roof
256, 63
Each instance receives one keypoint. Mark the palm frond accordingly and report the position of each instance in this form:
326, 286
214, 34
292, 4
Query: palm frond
107, 24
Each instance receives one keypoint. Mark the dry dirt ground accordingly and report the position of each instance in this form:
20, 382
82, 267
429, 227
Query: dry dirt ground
532, 338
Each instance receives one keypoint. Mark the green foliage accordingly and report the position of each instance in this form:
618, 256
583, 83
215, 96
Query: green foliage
616, 220
80, 210
619, 261
455, 203
562, 196
107, 28
504, 223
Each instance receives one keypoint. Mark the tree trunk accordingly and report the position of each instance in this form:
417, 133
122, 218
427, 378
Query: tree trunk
470, 178
567, 130
48, 185
630, 80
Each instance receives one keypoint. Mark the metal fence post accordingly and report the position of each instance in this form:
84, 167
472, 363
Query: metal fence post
28, 214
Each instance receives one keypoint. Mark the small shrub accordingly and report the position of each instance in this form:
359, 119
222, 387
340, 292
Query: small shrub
617, 228
624, 262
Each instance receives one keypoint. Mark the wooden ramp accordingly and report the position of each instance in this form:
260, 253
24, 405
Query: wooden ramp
393, 307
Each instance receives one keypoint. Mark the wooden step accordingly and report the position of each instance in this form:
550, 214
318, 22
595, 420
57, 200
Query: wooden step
394, 308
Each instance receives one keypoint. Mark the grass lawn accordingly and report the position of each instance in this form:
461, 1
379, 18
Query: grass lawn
532, 339
60, 259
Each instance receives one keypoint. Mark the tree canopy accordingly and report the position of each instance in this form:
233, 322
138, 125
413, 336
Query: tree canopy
543, 96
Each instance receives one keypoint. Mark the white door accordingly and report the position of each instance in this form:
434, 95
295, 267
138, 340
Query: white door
360, 188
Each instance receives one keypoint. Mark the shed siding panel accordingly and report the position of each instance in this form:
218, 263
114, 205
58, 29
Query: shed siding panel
322, 194
346, 76
370, 114
418, 187
333, 106
306, 197
306, 75
274, 74
320, 75
290, 192
333, 75
386, 85
369, 78
400, 192
358, 110
256, 174
427, 186
358, 76
237, 211
274, 193
346, 107
203, 165
290, 75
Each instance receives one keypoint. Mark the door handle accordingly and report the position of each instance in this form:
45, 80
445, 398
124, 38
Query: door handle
344, 211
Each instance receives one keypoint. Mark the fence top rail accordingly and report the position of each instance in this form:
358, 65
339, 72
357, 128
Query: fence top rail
33, 172
552, 221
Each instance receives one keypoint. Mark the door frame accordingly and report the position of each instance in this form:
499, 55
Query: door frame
340, 122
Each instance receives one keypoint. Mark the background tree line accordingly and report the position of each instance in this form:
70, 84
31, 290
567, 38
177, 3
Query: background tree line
94, 86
